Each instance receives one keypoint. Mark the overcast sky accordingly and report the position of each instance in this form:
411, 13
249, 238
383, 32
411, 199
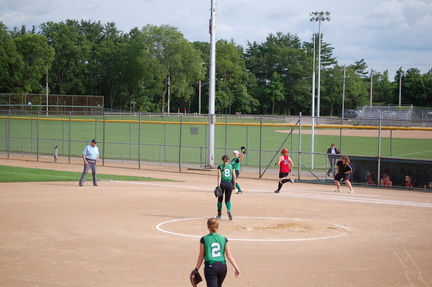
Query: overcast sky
388, 34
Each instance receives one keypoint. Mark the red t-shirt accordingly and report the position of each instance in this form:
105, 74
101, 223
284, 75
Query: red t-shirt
284, 165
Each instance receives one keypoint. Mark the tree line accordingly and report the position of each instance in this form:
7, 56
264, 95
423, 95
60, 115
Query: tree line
155, 69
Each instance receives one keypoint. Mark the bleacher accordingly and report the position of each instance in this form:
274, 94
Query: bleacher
388, 115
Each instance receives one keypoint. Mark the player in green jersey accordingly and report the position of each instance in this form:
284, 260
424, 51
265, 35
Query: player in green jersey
235, 162
214, 250
225, 179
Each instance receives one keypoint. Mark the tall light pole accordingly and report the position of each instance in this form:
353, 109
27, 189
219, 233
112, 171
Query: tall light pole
319, 17
371, 88
313, 105
401, 73
169, 93
343, 94
212, 85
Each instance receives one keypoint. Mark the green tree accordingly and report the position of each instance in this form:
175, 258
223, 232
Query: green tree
427, 81
357, 85
384, 89
275, 90
174, 62
111, 64
232, 78
37, 56
67, 74
10, 61
414, 89
285, 55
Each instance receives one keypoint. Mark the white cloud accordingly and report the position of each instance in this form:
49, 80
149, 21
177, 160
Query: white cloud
386, 33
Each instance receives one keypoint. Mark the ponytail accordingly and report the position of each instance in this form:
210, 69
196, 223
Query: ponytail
225, 159
212, 225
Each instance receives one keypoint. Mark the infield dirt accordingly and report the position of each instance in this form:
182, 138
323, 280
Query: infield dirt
147, 233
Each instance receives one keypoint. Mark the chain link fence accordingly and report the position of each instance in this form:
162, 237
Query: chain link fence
180, 140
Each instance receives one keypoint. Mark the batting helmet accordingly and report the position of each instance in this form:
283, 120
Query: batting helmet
284, 150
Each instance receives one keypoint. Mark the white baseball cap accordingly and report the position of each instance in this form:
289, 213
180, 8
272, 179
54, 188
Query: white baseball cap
236, 151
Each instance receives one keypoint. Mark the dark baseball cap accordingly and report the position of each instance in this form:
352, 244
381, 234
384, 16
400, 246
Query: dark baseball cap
94, 141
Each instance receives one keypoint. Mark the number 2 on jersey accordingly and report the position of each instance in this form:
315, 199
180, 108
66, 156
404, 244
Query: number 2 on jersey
216, 250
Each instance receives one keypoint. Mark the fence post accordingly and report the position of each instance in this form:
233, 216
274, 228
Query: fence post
37, 137
226, 134
300, 144
260, 144
180, 141
201, 165
8, 136
247, 142
70, 137
391, 142
139, 141
103, 139
164, 145
379, 153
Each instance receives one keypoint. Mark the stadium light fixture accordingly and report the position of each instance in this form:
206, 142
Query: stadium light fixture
319, 17
316, 17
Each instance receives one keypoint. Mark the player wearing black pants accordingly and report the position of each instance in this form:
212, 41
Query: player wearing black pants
227, 189
215, 250
225, 179
214, 273
285, 165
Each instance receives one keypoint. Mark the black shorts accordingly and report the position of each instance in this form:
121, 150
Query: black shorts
283, 174
344, 176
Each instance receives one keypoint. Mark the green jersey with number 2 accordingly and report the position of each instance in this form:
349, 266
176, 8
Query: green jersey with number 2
214, 247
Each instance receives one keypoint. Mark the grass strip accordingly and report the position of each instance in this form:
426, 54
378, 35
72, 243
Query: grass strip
24, 174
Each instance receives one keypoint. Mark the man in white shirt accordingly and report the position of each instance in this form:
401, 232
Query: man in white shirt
90, 156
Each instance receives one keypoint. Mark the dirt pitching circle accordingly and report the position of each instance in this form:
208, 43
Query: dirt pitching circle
265, 229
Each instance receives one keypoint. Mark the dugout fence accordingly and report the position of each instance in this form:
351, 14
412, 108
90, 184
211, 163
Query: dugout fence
179, 141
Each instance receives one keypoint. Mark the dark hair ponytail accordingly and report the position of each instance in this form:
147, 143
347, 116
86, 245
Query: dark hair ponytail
225, 159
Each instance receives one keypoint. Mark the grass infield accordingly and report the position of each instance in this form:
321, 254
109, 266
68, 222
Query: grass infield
22, 174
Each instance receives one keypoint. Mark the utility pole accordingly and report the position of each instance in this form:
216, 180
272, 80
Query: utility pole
212, 86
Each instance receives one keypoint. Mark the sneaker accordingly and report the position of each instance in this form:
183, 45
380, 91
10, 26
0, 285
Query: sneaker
277, 191
351, 191
291, 180
239, 192
219, 216
229, 215
337, 190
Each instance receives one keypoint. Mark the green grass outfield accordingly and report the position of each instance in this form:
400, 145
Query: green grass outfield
160, 140
22, 174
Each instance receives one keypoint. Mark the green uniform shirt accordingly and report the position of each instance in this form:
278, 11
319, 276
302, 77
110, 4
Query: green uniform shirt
226, 172
236, 163
214, 247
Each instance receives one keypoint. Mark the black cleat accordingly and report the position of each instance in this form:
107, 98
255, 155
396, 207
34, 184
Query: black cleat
229, 215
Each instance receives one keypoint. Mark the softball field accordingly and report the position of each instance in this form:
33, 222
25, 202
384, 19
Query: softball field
147, 233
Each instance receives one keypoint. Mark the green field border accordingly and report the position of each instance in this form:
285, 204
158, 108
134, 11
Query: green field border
24, 174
